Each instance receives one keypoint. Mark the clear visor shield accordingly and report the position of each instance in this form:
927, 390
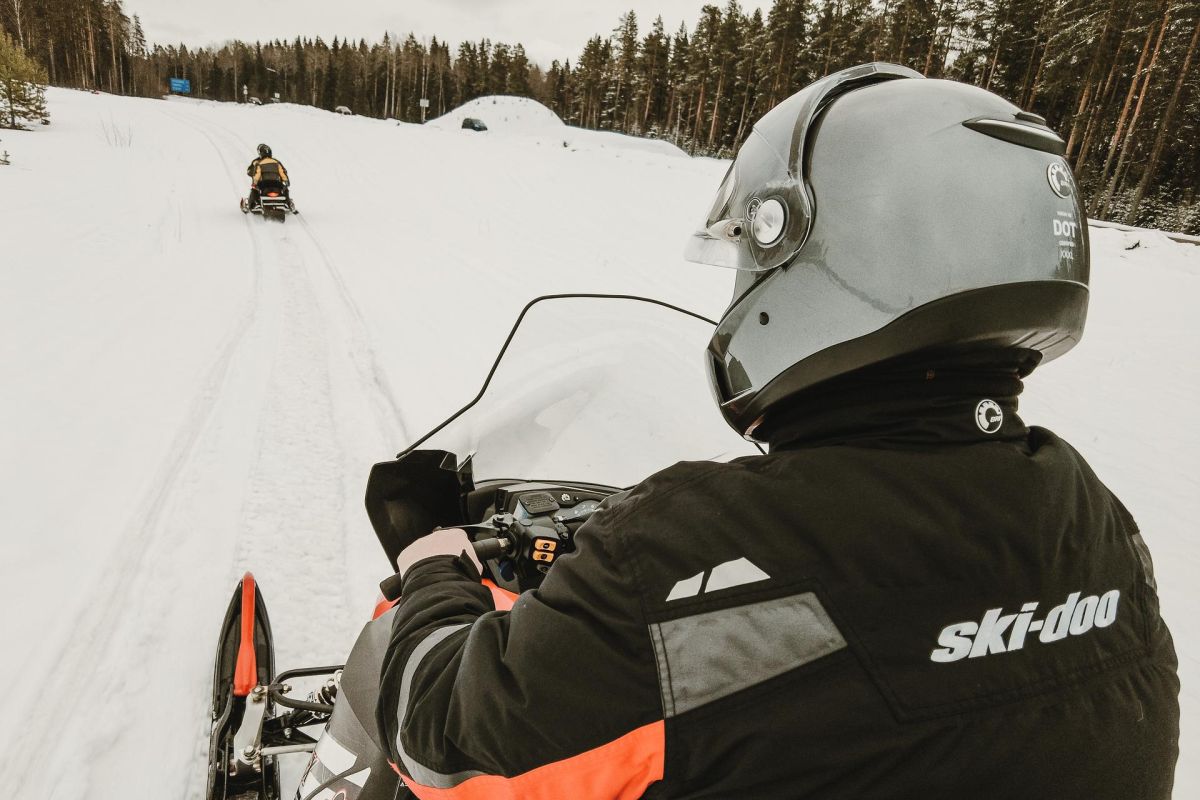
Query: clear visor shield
764, 208
751, 204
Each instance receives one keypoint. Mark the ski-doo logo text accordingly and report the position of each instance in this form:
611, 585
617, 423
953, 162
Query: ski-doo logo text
998, 632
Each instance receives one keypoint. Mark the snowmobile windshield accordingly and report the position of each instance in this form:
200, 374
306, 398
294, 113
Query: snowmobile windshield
593, 388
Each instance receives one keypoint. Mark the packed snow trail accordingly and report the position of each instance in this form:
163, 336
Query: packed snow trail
191, 392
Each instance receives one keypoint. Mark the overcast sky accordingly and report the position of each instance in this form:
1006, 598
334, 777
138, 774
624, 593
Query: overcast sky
549, 29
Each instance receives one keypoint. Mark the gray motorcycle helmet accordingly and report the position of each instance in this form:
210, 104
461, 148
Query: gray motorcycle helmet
876, 214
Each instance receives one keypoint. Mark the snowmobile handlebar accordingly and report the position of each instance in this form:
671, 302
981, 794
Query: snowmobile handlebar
495, 547
523, 550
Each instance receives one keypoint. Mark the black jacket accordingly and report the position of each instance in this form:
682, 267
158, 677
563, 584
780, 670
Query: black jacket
891, 604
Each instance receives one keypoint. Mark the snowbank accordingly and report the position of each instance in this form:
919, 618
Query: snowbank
528, 119
502, 114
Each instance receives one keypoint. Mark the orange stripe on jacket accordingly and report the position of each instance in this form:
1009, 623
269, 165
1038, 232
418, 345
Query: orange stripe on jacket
503, 599
621, 770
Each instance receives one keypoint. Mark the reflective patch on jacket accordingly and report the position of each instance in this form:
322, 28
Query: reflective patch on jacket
708, 656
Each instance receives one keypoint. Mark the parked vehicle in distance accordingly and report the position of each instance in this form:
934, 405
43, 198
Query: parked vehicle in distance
254, 101
343, 110
473, 124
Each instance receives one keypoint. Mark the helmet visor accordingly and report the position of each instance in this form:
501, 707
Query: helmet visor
764, 208
731, 220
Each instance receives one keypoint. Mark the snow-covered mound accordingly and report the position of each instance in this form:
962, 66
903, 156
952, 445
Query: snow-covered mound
190, 393
503, 114
584, 139
508, 116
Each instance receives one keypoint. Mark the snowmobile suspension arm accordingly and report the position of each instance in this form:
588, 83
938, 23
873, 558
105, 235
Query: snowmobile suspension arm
280, 686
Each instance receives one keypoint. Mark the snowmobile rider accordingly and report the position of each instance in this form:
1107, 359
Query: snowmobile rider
914, 594
265, 168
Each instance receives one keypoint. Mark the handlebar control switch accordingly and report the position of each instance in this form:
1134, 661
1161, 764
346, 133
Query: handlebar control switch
543, 552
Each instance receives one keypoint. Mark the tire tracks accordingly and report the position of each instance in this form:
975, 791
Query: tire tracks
366, 359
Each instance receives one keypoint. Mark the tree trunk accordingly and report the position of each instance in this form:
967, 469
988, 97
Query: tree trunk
948, 39
903, 37
91, 43
1120, 129
50, 49
424, 79
778, 72
1127, 143
741, 128
991, 71
834, 30
114, 80
1101, 100
712, 128
395, 86
387, 84
11, 92
1037, 76
1164, 126
1079, 115
16, 7
1097, 51
937, 23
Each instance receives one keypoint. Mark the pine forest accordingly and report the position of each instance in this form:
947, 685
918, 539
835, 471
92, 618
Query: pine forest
1118, 79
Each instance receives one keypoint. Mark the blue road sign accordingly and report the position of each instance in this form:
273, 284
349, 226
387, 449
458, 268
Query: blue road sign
181, 85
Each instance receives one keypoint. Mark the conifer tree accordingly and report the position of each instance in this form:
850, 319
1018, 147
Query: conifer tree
1117, 78
22, 86
653, 58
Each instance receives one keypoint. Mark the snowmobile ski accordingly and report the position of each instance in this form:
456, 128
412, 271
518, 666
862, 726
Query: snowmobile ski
237, 769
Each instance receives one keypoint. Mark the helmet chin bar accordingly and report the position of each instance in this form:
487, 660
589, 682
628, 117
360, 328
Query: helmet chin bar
1045, 316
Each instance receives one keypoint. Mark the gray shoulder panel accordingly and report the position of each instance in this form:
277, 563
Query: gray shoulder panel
708, 656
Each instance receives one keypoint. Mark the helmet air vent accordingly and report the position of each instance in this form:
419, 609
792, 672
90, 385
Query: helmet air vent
1023, 131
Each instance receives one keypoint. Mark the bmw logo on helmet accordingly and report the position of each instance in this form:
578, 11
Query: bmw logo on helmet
989, 416
1060, 179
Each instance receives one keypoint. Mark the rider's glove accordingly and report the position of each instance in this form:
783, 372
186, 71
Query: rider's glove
445, 542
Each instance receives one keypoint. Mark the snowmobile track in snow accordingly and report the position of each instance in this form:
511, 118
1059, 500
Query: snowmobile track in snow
297, 461
61, 691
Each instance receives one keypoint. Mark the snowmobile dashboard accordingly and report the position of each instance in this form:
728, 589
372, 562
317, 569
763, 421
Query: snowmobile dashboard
535, 501
520, 527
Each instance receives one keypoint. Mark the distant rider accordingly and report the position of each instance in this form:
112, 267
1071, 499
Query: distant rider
265, 168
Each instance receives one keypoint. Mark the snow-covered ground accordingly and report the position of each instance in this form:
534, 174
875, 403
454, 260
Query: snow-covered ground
190, 393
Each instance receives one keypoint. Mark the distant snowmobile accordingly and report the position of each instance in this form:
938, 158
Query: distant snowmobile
269, 193
463, 476
274, 201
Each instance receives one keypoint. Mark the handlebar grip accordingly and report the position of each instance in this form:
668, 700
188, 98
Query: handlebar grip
487, 549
